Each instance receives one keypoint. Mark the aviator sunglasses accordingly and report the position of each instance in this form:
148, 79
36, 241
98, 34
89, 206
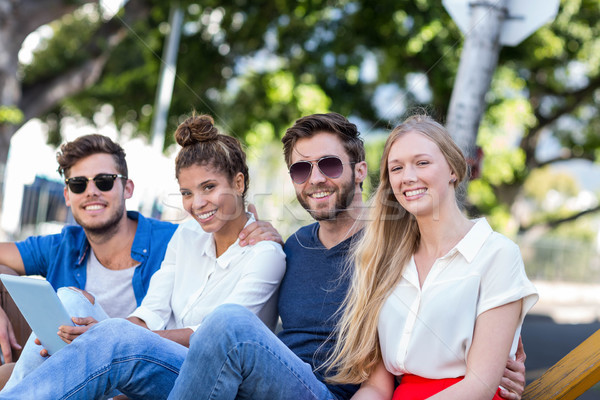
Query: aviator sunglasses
330, 166
104, 182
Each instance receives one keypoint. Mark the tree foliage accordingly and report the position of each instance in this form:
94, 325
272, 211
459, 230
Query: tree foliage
545, 91
258, 65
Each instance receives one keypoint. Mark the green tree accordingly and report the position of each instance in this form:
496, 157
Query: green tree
545, 89
63, 69
259, 65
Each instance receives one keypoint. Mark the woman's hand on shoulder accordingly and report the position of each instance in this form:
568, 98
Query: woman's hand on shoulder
258, 231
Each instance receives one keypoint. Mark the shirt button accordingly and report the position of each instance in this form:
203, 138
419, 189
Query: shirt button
145, 251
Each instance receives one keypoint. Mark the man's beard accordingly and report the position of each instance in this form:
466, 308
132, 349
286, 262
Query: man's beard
108, 228
345, 196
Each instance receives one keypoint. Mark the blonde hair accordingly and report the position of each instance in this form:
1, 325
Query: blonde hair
390, 239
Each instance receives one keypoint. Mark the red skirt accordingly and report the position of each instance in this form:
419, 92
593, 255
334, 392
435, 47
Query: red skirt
414, 387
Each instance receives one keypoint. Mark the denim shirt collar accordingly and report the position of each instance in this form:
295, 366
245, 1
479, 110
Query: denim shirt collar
140, 249
84, 247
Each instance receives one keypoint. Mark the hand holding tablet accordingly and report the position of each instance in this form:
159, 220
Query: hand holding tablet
41, 307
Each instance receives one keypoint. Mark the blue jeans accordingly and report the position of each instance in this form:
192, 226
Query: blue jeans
233, 355
77, 305
113, 355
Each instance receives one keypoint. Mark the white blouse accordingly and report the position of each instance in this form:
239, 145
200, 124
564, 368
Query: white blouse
192, 281
428, 331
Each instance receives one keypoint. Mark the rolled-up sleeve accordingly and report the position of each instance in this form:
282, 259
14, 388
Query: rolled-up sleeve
155, 309
35, 252
504, 281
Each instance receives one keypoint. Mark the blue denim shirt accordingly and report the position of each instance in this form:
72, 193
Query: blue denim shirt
62, 258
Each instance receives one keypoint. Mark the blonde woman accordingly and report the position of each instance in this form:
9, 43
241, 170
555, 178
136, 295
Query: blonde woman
437, 300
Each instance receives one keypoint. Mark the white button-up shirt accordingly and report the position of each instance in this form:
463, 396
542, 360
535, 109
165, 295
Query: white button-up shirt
427, 331
192, 281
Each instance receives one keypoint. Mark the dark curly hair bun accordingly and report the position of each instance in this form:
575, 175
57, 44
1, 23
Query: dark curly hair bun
203, 145
196, 129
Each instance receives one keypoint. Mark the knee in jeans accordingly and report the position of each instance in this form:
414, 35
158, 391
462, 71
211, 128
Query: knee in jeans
230, 315
87, 294
71, 293
228, 320
117, 327
116, 335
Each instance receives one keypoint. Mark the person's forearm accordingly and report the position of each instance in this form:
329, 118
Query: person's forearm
181, 336
137, 321
369, 393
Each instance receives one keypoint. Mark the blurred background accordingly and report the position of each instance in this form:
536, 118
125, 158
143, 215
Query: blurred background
74, 67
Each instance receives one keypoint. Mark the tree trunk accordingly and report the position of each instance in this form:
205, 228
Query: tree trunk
477, 65
10, 88
18, 18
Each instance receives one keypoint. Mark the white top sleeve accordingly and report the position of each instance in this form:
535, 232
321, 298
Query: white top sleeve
503, 280
155, 309
192, 281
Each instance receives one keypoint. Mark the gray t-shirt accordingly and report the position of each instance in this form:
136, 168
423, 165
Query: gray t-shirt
111, 288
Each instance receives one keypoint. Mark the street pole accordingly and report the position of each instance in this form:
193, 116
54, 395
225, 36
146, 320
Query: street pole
478, 61
166, 81
164, 95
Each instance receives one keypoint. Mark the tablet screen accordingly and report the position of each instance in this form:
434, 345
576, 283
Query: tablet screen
41, 307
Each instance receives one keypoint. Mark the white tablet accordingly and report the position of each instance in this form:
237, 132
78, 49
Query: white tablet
41, 307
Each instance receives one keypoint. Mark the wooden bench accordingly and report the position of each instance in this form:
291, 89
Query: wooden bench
569, 378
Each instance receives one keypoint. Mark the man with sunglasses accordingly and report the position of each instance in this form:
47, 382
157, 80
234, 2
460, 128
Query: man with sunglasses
233, 354
111, 253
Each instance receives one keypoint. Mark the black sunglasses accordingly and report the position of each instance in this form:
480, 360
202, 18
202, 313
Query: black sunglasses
330, 166
104, 182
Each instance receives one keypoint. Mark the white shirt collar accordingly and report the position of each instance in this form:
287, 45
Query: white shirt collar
233, 251
468, 246
472, 242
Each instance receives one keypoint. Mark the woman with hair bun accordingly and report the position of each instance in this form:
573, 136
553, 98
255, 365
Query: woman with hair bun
204, 265
436, 300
